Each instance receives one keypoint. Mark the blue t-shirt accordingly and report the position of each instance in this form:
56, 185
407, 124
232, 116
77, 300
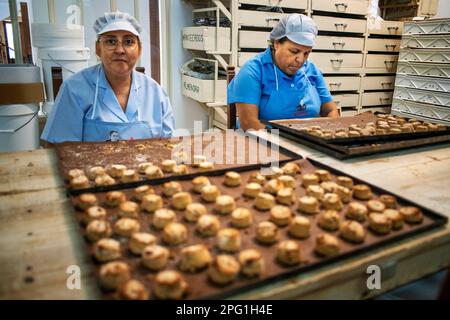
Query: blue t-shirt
256, 80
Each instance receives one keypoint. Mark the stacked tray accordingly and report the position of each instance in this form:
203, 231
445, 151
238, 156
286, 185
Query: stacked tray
321, 134
198, 283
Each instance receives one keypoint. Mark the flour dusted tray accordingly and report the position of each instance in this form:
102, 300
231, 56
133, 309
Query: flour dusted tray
199, 287
247, 152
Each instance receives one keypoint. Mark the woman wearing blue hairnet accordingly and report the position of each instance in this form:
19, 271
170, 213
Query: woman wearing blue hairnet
280, 83
111, 96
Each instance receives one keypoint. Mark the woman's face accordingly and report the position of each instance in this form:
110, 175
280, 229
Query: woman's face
290, 56
118, 51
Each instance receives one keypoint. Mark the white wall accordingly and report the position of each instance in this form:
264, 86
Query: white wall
185, 109
443, 9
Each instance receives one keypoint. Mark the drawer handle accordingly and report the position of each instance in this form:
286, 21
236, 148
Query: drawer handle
341, 4
272, 19
340, 43
385, 99
392, 28
336, 84
337, 60
344, 25
390, 46
386, 83
389, 62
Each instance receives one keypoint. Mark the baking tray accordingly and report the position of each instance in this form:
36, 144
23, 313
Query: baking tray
72, 155
201, 288
292, 127
347, 151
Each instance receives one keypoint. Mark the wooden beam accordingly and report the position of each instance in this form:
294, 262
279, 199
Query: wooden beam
155, 52
27, 51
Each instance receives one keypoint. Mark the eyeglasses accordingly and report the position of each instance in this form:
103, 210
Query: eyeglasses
128, 43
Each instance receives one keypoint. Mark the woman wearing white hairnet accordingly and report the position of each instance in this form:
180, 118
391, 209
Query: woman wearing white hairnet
111, 101
280, 83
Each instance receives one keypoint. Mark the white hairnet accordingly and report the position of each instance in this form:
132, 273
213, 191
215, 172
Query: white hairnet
297, 28
112, 21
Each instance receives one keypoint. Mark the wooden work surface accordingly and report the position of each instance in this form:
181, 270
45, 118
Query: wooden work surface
40, 239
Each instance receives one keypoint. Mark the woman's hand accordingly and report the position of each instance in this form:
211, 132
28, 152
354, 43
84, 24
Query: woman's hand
329, 109
248, 116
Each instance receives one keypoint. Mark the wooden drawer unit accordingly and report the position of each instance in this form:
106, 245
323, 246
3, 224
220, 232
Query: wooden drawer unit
294, 4
387, 45
426, 41
385, 63
253, 39
385, 27
207, 38
342, 83
376, 98
425, 83
424, 69
346, 100
432, 26
378, 83
204, 90
425, 55
252, 18
340, 24
337, 62
339, 43
359, 7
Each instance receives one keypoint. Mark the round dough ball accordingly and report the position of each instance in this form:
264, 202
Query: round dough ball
208, 225
241, 218
141, 191
155, 257
288, 253
87, 200
327, 245
252, 262
107, 249
329, 220
168, 165
252, 190
232, 179
195, 258
162, 217
170, 284
210, 193
175, 233
356, 211
139, 241
133, 290
229, 240
98, 229
151, 202
375, 206
194, 211
264, 201
285, 196
94, 213
362, 192
267, 232
128, 209
153, 172
129, 175
308, 205
224, 269
114, 198
199, 182
281, 215
309, 179
291, 168
412, 215
125, 227
299, 227
225, 204
352, 231
379, 223
113, 274
171, 187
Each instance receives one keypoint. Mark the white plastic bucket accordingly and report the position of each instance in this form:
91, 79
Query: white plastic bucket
71, 60
46, 35
19, 127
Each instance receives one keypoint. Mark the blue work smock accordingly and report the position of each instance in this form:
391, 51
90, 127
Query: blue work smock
277, 95
87, 109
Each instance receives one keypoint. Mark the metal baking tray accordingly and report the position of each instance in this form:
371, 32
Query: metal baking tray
347, 151
84, 155
291, 127
201, 288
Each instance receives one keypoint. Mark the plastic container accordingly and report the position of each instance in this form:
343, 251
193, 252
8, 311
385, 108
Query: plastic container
46, 35
71, 60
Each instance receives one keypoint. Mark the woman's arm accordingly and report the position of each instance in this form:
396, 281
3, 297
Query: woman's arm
329, 109
248, 116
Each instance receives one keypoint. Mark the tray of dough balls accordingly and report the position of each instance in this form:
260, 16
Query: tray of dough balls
361, 128
107, 165
215, 236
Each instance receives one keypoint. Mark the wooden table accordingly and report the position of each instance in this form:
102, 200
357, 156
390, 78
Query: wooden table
39, 236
